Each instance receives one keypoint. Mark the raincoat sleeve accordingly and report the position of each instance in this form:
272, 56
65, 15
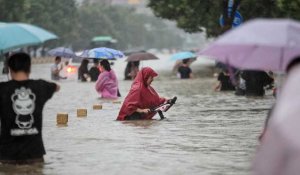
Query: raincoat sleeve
100, 84
133, 102
162, 100
158, 100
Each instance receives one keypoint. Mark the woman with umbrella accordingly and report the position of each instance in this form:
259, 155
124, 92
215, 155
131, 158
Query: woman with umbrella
107, 83
131, 70
133, 64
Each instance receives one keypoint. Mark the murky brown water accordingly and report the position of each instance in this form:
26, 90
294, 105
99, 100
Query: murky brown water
205, 132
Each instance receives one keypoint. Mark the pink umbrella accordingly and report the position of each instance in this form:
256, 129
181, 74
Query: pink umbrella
279, 152
261, 44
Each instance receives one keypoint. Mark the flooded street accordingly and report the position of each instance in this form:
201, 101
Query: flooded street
205, 132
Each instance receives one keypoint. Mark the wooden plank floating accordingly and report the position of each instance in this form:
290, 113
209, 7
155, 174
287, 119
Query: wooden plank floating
97, 106
62, 119
81, 112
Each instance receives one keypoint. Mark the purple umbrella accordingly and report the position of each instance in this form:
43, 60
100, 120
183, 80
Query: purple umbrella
62, 52
262, 44
279, 151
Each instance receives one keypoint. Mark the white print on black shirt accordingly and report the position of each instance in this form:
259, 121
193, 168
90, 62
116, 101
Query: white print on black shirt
23, 102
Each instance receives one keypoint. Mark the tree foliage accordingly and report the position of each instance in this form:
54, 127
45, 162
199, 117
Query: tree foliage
13, 10
77, 24
123, 24
194, 16
58, 16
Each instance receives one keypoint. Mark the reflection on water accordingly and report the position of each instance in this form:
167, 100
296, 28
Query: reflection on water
205, 132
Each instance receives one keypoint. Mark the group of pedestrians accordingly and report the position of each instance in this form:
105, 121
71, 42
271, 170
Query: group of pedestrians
244, 82
22, 101
85, 74
102, 74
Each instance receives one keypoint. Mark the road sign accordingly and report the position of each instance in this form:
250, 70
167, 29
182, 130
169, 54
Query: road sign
238, 19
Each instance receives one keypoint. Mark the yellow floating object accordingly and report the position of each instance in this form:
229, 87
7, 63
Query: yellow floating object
97, 106
81, 112
62, 118
117, 102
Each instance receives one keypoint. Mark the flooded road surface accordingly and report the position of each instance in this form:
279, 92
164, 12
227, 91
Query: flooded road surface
205, 132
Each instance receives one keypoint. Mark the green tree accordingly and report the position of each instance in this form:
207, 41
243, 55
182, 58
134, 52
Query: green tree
60, 17
122, 23
194, 16
56, 16
76, 25
13, 10
289, 8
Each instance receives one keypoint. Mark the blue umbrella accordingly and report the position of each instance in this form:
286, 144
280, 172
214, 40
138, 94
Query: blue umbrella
17, 35
104, 53
62, 52
183, 55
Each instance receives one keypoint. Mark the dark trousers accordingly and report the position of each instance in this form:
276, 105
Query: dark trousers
23, 161
134, 116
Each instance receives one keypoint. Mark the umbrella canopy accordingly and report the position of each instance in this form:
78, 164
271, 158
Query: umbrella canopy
262, 44
141, 57
62, 52
183, 55
279, 150
104, 53
16, 35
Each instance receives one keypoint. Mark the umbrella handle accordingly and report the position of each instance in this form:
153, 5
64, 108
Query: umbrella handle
232, 76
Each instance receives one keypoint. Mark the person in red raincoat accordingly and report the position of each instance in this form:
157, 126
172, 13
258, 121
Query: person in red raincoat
141, 97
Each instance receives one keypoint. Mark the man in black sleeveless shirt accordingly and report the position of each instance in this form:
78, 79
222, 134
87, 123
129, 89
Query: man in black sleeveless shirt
21, 105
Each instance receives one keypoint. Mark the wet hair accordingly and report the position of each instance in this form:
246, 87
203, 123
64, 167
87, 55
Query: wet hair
294, 62
84, 63
57, 58
105, 64
136, 63
20, 62
185, 61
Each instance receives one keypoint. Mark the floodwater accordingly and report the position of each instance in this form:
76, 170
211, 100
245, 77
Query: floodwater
205, 133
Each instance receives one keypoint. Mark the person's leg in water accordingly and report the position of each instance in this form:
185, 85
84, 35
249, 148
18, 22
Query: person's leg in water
134, 116
119, 94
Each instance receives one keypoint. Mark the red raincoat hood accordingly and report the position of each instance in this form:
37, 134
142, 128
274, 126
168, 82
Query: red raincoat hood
141, 95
